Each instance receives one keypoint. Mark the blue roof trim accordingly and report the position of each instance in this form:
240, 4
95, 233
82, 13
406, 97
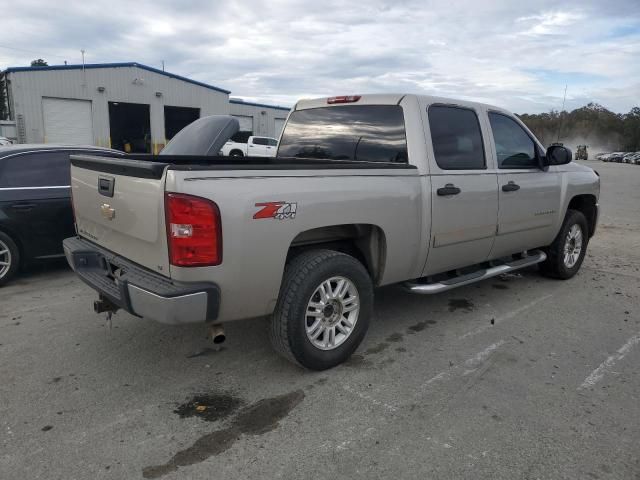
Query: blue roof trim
116, 65
240, 102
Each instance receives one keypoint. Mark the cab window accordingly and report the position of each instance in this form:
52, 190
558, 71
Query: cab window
367, 133
456, 137
514, 147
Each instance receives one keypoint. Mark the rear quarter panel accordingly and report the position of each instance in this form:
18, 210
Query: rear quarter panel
255, 250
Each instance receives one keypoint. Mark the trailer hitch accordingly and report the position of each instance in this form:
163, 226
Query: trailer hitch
103, 304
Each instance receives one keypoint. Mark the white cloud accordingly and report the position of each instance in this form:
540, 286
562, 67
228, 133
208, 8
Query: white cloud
548, 23
517, 55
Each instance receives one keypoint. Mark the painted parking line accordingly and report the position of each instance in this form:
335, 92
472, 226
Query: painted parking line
599, 373
470, 365
506, 317
368, 398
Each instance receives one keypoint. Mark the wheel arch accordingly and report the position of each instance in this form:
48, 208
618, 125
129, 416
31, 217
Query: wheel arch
365, 242
586, 203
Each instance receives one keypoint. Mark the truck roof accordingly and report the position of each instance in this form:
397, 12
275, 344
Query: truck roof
389, 99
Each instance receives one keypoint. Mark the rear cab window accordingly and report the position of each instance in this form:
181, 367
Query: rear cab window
456, 137
368, 133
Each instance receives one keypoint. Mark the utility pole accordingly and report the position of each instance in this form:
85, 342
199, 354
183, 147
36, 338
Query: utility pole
163, 65
561, 114
84, 73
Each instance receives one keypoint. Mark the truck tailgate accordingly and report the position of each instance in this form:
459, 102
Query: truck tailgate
119, 205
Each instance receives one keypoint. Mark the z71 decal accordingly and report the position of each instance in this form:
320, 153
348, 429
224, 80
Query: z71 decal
277, 210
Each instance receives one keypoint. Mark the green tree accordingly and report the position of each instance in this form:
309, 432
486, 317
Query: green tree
632, 130
39, 63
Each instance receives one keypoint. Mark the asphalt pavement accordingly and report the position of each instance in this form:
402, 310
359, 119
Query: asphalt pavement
519, 377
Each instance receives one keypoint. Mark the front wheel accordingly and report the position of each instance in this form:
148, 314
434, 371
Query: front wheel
566, 253
323, 310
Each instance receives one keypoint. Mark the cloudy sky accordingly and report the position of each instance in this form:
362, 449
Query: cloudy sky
516, 54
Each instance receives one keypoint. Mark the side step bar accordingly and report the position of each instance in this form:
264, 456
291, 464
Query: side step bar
534, 257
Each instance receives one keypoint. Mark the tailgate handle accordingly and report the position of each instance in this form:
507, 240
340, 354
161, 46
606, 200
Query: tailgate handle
105, 186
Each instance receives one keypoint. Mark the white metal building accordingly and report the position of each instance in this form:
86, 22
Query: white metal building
128, 106
264, 120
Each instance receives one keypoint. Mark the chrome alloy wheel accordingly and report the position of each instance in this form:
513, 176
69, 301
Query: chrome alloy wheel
573, 246
332, 313
5, 259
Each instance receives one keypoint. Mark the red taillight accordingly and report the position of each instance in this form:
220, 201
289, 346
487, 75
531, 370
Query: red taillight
343, 99
194, 233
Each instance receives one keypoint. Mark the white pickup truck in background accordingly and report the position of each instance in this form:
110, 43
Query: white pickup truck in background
255, 147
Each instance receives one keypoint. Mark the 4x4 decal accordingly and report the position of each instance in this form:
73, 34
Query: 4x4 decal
277, 210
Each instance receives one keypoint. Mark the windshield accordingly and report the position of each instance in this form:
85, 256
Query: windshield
372, 133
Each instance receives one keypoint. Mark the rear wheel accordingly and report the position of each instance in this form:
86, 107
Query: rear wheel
323, 310
9, 258
566, 253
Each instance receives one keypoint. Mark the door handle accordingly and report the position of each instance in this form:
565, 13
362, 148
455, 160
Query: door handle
510, 187
448, 189
23, 206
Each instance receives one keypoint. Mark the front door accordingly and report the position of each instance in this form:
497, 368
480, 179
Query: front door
463, 188
528, 196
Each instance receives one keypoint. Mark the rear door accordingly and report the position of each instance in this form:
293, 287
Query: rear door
528, 196
463, 189
34, 197
272, 147
258, 147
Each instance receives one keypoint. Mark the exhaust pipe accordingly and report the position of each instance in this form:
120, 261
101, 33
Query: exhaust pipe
216, 333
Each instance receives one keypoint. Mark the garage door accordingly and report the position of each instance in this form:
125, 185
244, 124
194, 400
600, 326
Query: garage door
67, 121
246, 123
279, 123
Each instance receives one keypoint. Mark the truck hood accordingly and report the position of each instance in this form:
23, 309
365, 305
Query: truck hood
206, 136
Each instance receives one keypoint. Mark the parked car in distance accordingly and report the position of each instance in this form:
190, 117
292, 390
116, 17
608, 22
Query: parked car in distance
5, 141
255, 147
35, 202
429, 192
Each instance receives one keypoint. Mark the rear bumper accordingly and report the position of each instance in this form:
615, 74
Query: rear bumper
140, 291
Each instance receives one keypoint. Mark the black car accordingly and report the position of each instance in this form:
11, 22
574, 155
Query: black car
35, 202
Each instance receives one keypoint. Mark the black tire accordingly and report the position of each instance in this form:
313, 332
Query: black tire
303, 275
236, 153
554, 266
13, 258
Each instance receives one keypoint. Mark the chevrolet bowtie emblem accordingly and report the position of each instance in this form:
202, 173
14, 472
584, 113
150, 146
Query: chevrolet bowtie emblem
108, 212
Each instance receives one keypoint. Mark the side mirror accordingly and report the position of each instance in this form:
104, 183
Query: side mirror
557, 155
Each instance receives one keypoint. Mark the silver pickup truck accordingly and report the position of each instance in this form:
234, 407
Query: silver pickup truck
365, 191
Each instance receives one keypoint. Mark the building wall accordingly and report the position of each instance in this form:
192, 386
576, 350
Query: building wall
263, 123
121, 84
